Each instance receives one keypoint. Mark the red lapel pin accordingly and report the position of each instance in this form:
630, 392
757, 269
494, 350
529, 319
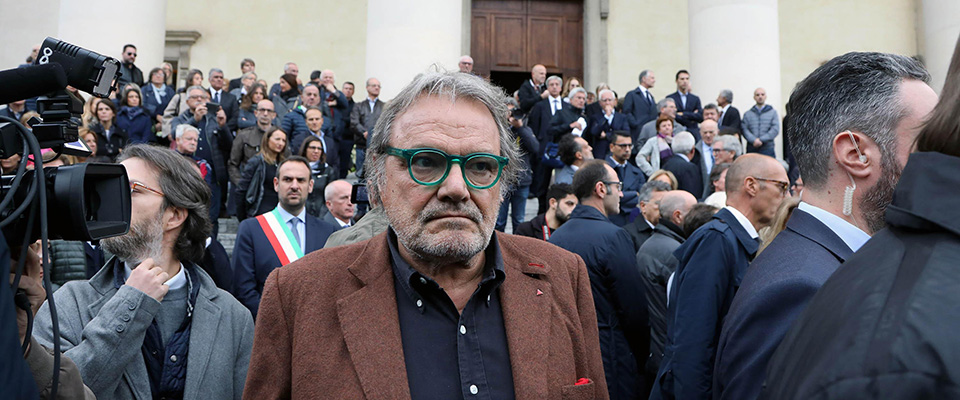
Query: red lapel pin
539, 292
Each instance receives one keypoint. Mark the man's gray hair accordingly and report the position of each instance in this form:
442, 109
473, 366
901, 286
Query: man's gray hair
600, 95
183, 128
663, 103
731, 143
286, 67
510, 101
643, 74
727, 94
452, 86
646, 191
182, 187
683, 142
856, 91
554, 78
249, 75
197, 87
212, 70
575, 91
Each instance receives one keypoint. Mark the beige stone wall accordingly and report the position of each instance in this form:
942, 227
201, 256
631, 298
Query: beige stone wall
319, 34
814, 31
647, 34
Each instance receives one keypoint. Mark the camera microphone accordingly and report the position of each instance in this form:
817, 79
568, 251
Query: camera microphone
27, 82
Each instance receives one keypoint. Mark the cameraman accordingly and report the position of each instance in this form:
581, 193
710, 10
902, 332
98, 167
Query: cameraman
517, 198
40, 358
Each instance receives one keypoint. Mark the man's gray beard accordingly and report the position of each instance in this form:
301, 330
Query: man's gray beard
873, 204
412, 237
145, 240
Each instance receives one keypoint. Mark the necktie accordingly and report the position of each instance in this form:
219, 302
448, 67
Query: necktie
720, 119
620, 172
216, 97
296, 234
650, 98
555, 106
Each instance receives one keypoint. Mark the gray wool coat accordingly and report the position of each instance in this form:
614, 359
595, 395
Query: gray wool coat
102, 330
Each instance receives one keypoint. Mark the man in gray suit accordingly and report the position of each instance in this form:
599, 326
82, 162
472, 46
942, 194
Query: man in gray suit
134, 327
362, 120
573, 151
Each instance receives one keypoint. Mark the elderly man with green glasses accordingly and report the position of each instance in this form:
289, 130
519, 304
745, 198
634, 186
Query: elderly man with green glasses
439, 305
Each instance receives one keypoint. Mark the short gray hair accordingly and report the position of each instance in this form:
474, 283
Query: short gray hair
683, 142
730, 143
212, 70
857, 92
727, 94
286, 67
643, 74
554, 78
575, 91
510, 101
452, 86
183, 128
200, 88
249, 75
600, 95
182, 187
646, 191
663, 103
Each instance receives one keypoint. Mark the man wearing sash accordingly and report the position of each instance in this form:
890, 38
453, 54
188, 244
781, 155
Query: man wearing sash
279, 237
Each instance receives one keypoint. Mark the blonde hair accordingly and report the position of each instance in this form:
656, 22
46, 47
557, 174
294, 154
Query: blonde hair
767, 234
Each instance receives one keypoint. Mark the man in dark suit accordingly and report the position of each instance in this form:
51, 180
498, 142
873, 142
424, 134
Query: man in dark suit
246, 66
689, 110
683, 166
648, 205
334, 112
629, 174
534, 89
570, 119
729, 115
539, 121
387, 313
600, 127
703, 156
362, 120
819, 236
618, 295
227, 101
279, 237
712, 262
640, 107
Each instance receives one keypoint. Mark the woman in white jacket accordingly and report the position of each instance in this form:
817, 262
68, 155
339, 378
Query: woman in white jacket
657, 147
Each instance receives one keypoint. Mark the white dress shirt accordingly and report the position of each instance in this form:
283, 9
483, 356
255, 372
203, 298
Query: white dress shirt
742, 219
853, 236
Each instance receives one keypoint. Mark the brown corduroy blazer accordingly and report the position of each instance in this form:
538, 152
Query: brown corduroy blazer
328, 326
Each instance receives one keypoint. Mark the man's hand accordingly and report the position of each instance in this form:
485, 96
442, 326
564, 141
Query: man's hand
608, 109
149, 278
221, 118
516, 123
200, 112
330, 88
577, 125
545, 94
603, 135
757, 142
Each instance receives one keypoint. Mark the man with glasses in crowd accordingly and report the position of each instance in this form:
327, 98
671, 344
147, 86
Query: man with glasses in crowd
631, 175
602, 125
608, 253
712, 262
247, 142
128, 71
402, 315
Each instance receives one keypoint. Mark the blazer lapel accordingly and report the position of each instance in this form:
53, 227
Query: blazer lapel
203, 332
526, 302
312, 231
371, 326
808, 226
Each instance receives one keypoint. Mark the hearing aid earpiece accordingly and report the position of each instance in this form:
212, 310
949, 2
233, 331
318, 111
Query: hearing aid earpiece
862, 157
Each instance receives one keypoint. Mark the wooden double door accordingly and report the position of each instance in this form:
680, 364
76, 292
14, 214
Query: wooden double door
509, 37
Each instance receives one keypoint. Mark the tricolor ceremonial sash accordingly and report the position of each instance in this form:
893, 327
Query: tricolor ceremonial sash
280, 237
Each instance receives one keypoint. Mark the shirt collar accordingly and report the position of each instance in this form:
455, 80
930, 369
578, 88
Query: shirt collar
558, 98
684, 157
177, 282
372, 99
853, 236
285, 216
648, 222
724, 108
574, 167
742, 219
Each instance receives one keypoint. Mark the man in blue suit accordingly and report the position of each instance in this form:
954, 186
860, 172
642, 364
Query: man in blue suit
640, 107
602, 125
279, 237
631, 176
689, 110
819, 236
608, 252
712, 262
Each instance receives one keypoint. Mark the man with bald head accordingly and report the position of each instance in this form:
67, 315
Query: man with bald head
466, 64
712, 262
534, 89
339, 208
655, 261
760, 125
295, 122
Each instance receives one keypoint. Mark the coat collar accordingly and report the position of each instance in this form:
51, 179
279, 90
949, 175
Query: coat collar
371, 328
926, 196
587, 212
808, 226
749, 244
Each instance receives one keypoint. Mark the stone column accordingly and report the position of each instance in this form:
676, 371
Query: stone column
407, 38
105, 26
941, 26
734, 44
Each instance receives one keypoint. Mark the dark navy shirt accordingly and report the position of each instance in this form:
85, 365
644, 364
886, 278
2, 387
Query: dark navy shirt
450, 355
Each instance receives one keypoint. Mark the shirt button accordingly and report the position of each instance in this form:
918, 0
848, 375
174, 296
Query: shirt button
125, 318
463, 331
419, 303
474, 390
120, 328
173, 358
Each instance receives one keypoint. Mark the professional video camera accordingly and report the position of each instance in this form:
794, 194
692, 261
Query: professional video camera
89, 201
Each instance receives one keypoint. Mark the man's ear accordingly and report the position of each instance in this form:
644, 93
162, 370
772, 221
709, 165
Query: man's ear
855, 152
552, 203
276, 185
600, 189
177, 216
751, 186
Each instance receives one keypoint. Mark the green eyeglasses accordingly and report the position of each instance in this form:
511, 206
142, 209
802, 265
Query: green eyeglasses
430, 167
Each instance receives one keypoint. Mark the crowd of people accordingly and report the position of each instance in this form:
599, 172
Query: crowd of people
672, 257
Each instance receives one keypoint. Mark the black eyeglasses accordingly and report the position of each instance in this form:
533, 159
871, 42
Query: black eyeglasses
618, 184
783, 186
430, 167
